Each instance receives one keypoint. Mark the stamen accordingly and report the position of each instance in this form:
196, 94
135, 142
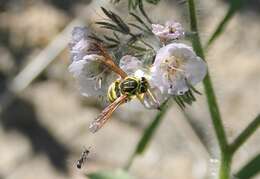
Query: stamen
98, 83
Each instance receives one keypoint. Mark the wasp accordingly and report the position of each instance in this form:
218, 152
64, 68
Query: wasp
83, 158
121, 91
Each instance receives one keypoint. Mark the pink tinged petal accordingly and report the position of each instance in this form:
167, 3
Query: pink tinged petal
78, 43
172, 30
130, 64
79, 33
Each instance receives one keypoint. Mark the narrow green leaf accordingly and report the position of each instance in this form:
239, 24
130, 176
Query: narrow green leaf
113, 29
111, 39
115, 1
251, 169
179, 102
112, 46
245, 134
140, 21
191, 95
138, 27
129, 5
116, 36
95, 37
186, 99
132, 4
155, 2
148, 134
141, 8
138, 48
235, 5
108, 25
192, 88
150, 130
116, 19
117, 174
106, 12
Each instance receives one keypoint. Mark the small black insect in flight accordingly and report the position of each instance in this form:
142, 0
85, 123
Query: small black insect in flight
83, 158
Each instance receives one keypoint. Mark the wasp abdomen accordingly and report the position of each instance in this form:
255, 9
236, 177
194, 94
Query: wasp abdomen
113, 91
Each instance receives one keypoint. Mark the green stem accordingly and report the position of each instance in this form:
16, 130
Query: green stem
226, 157
141, 40
215, 114
225, 166
245, 134
235, 5
210, 94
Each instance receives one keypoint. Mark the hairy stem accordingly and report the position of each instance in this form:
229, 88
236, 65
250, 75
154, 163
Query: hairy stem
225, 166
212, 102
226, 157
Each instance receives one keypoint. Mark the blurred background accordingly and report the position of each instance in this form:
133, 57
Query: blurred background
44, 120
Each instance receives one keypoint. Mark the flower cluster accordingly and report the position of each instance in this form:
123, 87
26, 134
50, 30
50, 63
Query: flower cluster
175, 69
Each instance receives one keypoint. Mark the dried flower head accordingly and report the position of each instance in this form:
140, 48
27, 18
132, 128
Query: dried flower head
176, 67
172, 30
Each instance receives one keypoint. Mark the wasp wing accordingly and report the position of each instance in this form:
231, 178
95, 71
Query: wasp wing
109, 62
153, 98
106, 114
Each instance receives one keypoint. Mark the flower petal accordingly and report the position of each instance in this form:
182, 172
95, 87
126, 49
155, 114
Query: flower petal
130, 64
92, 76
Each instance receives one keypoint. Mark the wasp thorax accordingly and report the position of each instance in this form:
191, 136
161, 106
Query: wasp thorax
129, 85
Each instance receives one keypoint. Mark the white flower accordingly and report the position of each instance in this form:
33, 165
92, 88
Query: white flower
176, 67
90, 74
172, 30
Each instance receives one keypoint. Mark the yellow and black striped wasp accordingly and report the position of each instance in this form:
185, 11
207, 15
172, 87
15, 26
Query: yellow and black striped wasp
127, 87
92, 66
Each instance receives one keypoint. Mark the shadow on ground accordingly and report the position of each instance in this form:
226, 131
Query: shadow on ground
20, 116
